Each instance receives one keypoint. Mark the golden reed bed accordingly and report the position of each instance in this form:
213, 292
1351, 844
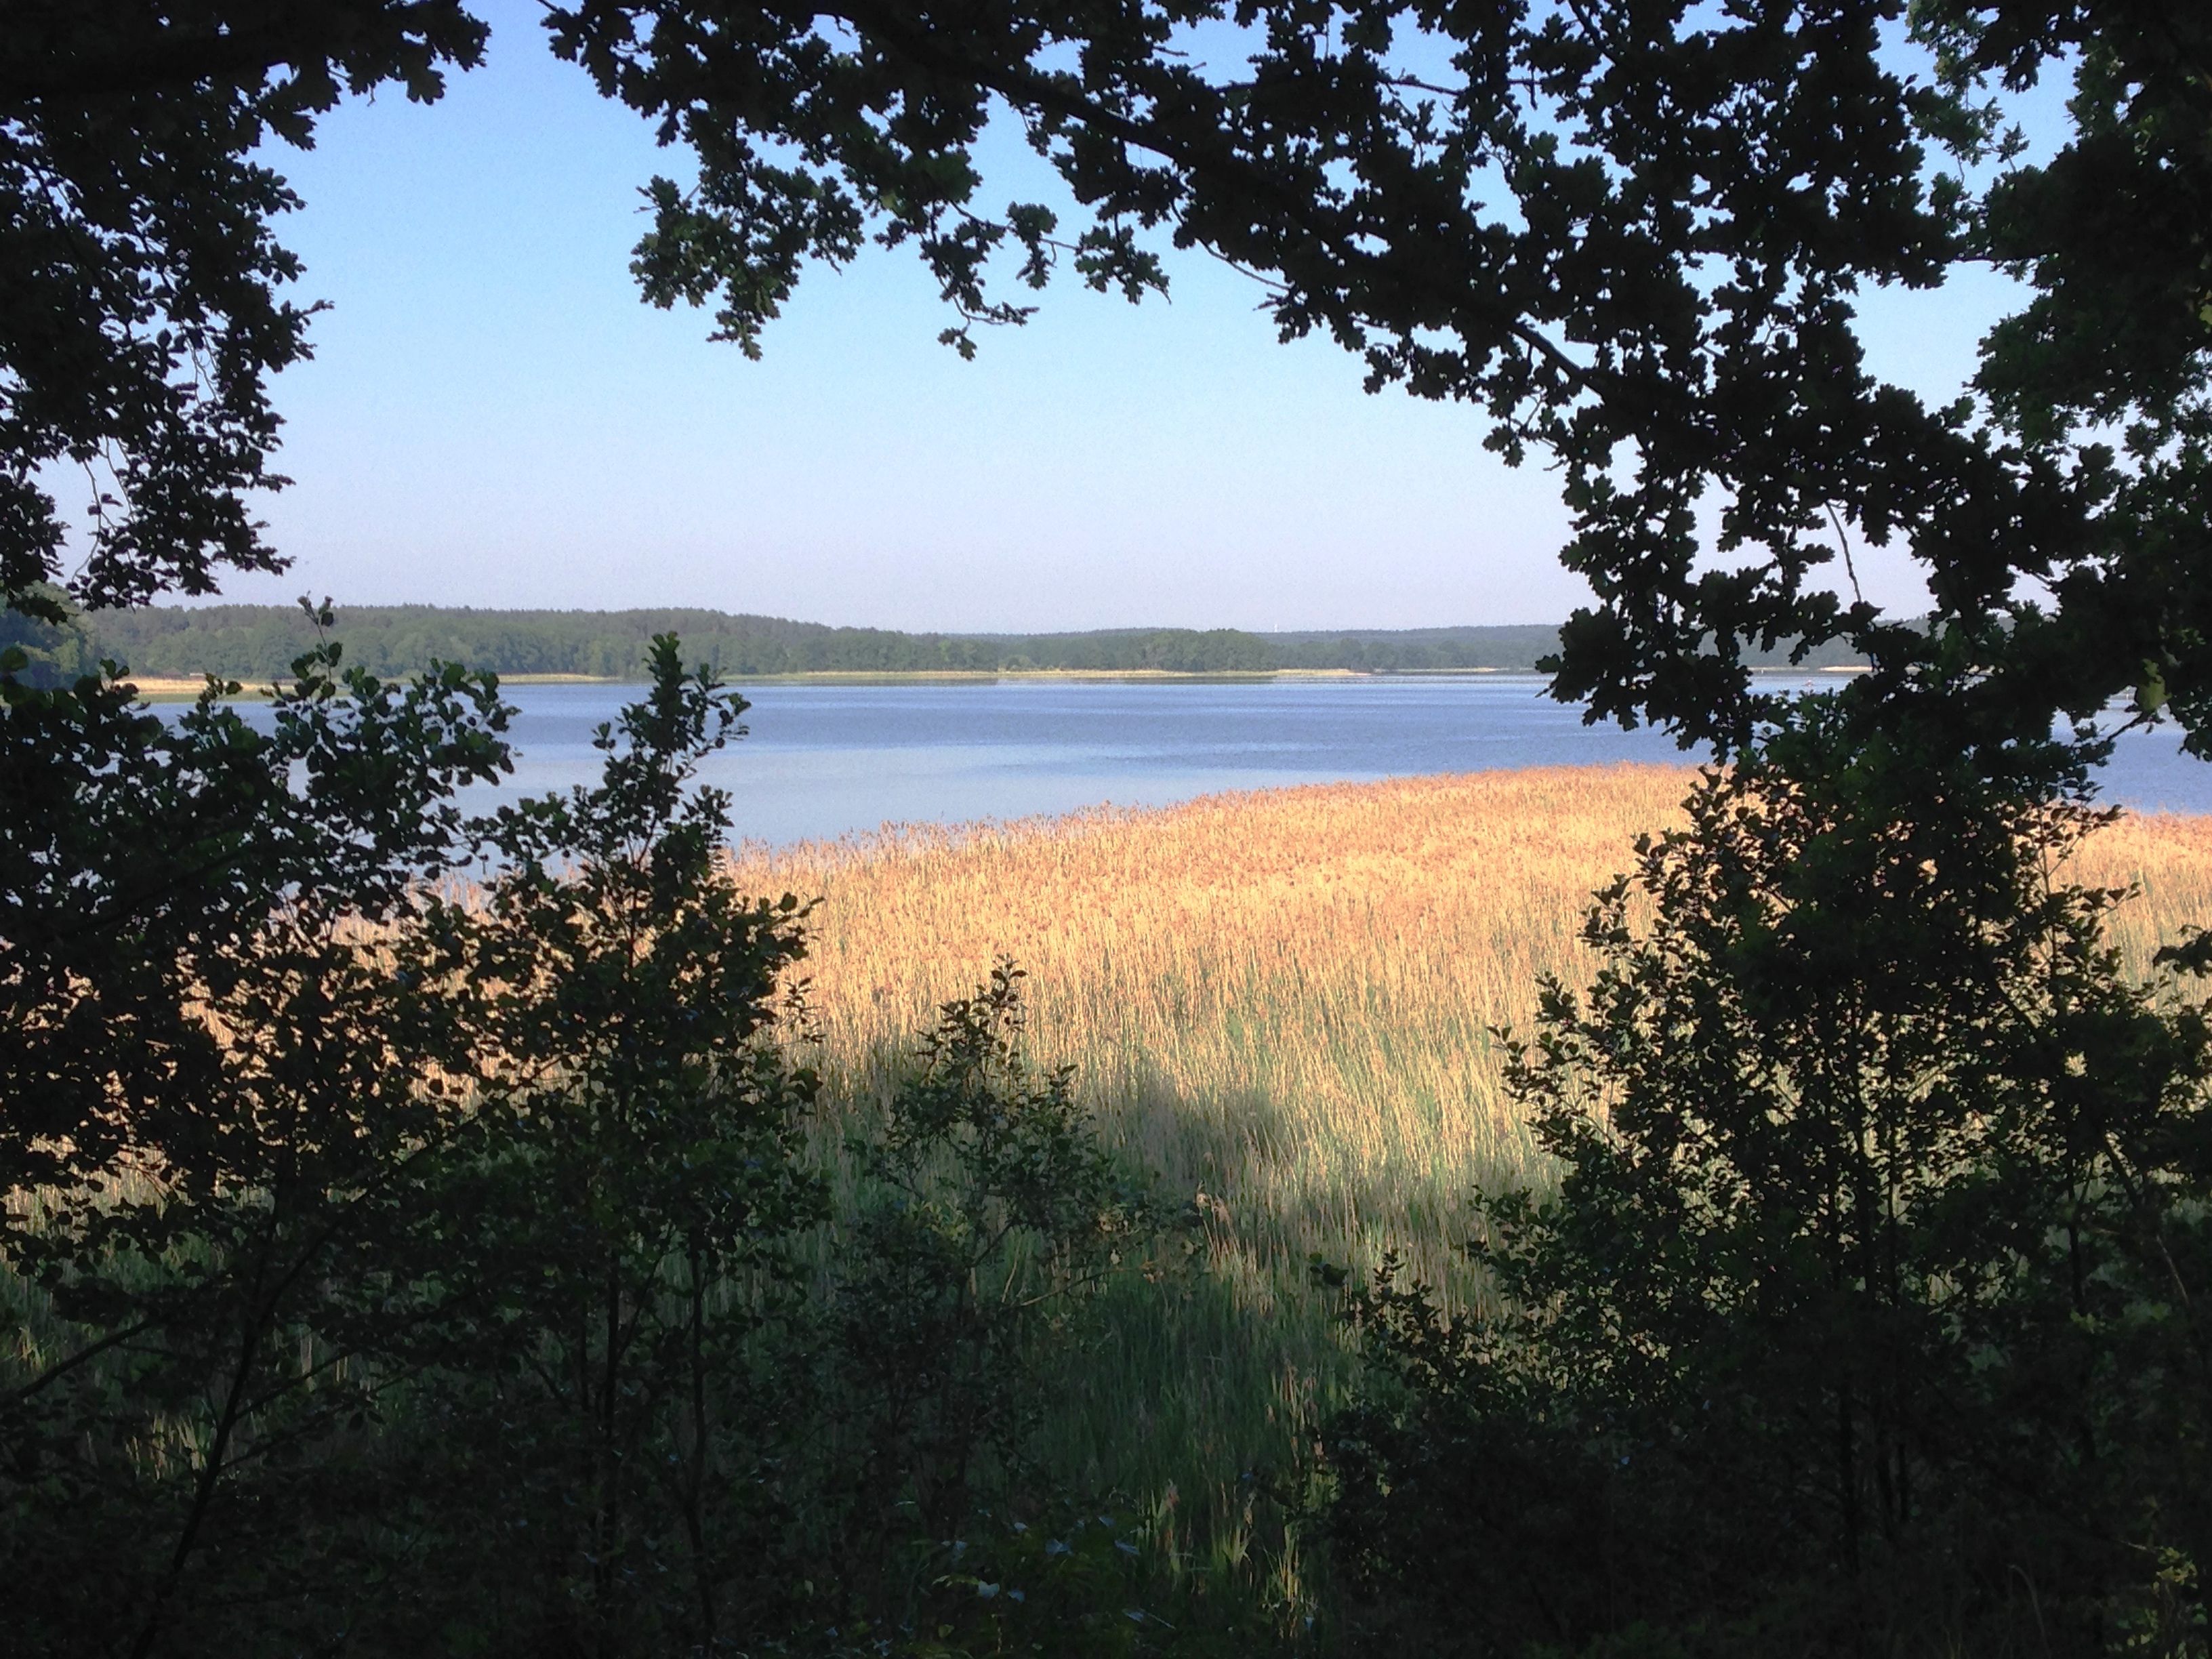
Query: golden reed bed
1284, 998
1280, 1002
1281, 998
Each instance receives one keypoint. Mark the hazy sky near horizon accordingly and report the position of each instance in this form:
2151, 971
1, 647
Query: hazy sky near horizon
493, 418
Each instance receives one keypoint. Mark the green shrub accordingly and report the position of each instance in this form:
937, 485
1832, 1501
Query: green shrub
1868, 1315
406, 1268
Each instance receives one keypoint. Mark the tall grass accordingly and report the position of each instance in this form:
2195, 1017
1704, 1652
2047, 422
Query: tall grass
1283, 1003
1280, 1000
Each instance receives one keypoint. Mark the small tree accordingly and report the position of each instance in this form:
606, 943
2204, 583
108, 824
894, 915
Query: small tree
592, 1265
987, 1211
221, 1078
1865, 1316
414, 1267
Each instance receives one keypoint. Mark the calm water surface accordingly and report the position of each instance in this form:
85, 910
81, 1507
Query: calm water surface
830, 760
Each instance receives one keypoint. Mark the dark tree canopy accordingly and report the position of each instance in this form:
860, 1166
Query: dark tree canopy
1635, 234
142, 303
1884, 1191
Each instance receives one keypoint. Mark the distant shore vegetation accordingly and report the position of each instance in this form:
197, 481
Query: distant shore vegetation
255, 642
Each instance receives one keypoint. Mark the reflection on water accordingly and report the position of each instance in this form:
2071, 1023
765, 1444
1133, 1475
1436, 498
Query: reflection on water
829, 760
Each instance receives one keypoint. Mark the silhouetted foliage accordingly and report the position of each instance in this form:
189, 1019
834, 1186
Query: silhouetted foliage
219, 1081
143, 315
1866, 1316
48, 653
1637, 238
414, 1268
1664, 298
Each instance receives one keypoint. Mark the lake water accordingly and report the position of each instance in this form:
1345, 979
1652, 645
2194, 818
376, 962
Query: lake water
828, 760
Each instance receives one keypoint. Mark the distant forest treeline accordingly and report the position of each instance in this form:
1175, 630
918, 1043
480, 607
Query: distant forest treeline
250, 641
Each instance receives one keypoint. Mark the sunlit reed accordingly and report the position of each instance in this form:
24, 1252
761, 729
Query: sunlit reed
1282, 1003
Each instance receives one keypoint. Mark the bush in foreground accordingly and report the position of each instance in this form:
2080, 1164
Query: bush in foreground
1868, 1315
410, 1271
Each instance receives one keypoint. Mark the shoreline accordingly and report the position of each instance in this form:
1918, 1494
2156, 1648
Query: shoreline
182, 687
175, 688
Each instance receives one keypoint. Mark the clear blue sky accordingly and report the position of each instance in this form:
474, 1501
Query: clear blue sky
493, 418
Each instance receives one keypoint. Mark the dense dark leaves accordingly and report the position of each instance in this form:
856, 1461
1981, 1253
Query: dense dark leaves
219, 1075
2101, 376
575, 1291
1638, 237
141, 859
410, 1265
1866, 1316
141, 303
1690, 207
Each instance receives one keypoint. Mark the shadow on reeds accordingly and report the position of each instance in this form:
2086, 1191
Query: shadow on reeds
1192, 1388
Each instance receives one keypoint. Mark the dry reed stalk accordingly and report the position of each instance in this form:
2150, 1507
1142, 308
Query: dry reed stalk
1282, 1000
2167, 857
